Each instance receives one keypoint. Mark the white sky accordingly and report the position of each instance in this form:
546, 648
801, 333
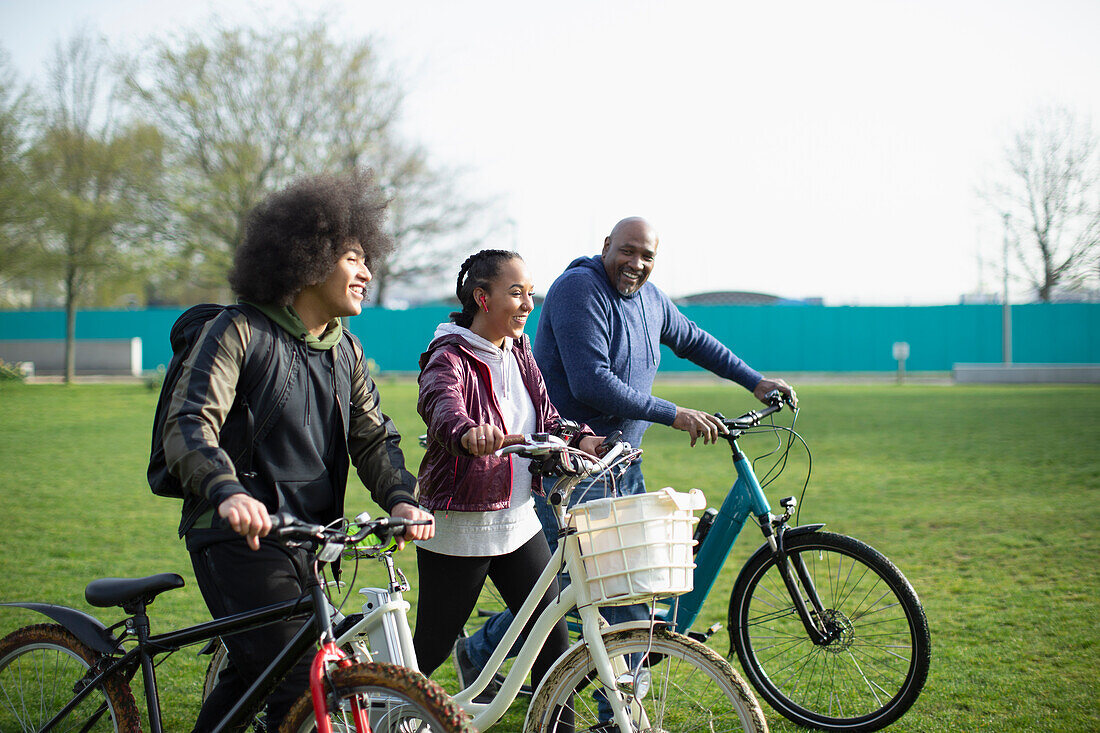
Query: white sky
801, 148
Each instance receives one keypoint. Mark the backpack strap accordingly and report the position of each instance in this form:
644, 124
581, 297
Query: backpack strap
252, 372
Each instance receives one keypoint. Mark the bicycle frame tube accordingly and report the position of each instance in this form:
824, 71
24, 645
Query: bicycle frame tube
385, 623
745, 497
247, 707
172, 641
485, 716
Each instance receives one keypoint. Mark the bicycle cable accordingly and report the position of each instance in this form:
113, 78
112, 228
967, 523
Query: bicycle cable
791, 437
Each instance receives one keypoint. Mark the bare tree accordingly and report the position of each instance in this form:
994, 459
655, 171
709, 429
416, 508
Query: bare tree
249, 109
1050, 191
434, 225
16, 254
94, 180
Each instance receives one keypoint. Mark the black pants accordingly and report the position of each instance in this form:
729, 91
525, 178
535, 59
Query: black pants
233, 579
449, 588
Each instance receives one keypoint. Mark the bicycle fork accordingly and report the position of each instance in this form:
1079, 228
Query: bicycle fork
794, 571
797, 580
329, 653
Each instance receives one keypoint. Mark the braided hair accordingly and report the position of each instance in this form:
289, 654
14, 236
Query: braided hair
478, 271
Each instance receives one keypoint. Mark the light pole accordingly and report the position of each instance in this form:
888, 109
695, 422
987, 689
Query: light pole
1006, 309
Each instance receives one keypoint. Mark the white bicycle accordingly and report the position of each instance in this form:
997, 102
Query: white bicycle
638, 677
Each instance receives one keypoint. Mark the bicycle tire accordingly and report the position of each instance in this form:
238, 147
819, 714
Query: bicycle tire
219, 658
691, 688
40, 666
866, 677
400, 701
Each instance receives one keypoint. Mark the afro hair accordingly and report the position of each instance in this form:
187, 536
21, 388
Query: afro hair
294, 237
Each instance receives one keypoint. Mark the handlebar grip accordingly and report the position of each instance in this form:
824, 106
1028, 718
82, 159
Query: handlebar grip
279, 521
510, 440
282, 520
609, 442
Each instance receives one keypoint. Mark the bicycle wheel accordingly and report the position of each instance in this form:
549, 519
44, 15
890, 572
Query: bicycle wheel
41, 667
399, 700
218, 660
875, 663
683, 687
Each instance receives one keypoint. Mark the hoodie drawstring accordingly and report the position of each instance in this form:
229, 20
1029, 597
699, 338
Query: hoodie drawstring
309, 381
645, 328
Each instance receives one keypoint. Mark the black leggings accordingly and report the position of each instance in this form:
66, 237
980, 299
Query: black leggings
449, 588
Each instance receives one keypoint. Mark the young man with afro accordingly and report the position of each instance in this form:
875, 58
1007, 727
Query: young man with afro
303, 265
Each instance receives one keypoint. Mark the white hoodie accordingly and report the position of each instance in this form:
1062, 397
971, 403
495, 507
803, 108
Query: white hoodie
479, 534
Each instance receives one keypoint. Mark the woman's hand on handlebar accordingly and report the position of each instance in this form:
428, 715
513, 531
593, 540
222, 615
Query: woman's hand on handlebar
481, 440
246, 516
404, 510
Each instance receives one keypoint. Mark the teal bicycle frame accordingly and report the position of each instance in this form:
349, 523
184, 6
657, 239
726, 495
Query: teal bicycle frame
745, 497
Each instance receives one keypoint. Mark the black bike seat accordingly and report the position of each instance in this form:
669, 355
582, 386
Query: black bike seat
107, 592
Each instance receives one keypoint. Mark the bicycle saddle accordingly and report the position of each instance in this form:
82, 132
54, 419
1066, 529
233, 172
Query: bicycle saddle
107, 592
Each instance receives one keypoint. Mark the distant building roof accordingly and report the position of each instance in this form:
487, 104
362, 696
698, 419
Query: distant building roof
739, 297
725, 297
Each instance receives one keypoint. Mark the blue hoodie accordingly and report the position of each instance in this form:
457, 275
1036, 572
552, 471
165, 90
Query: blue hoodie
599, 350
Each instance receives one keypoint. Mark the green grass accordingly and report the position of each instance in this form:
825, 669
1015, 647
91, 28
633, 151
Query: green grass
987, 498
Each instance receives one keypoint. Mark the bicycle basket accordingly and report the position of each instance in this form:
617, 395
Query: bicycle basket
634, 547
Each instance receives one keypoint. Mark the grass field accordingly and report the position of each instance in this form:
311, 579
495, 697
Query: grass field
987, 498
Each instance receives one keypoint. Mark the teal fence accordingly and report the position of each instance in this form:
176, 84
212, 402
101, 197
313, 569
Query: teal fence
778, 338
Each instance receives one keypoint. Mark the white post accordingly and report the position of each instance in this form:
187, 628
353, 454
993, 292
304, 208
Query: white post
901, 353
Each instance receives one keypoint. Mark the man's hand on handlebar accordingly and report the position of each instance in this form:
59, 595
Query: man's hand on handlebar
593, 445
767, 386
246, 516
404, 510
699, 424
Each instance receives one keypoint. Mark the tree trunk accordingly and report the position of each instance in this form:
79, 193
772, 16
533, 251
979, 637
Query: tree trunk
378, 288
70, 329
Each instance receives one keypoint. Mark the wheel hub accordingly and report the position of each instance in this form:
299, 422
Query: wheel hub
840, 631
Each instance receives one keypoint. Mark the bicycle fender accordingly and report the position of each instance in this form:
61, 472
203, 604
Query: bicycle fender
804, 528
85, 627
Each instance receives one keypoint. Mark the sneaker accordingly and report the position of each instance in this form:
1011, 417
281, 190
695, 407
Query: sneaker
467, 673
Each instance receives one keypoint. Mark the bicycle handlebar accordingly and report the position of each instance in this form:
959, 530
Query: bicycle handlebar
559, 458
288, 527
532, 445
752, 418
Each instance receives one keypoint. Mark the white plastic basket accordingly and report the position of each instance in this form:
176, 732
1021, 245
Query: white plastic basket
637, 546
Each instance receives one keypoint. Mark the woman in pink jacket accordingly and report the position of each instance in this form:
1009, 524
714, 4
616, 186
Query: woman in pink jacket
479, 382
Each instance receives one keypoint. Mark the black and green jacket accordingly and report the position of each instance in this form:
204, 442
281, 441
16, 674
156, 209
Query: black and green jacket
265, 408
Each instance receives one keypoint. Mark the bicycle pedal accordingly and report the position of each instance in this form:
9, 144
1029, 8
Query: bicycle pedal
702, 636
